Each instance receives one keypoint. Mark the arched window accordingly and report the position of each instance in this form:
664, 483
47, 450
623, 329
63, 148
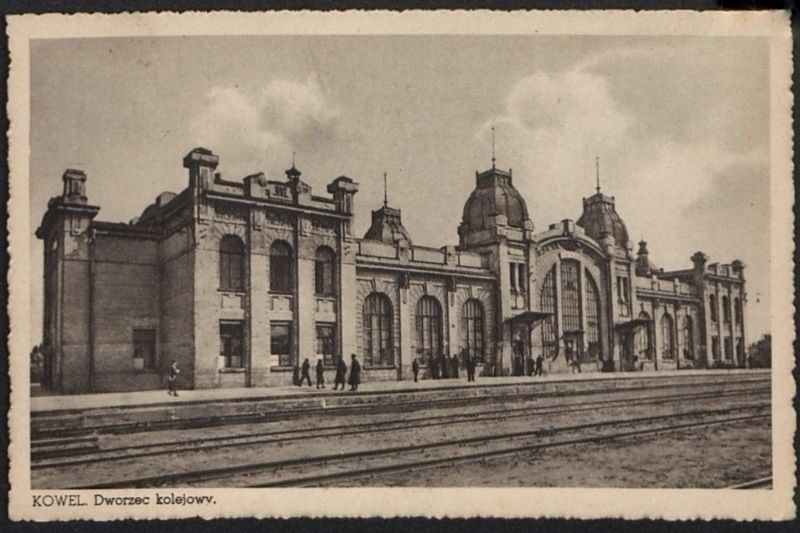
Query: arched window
548, 304
324, 265
687, 338
643, 351
712, 304
667, 349
737, 309
378, 330
280, 267
429, 327
726, 309
571, 295
592, 317
472, 329
231, 263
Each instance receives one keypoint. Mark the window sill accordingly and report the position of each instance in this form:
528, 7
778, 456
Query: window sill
281, 368
238, 292
237, 370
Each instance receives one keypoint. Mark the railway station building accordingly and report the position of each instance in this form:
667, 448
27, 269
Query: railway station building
240, 281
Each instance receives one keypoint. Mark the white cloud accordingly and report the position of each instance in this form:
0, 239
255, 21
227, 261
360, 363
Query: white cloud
554, 124
259, 132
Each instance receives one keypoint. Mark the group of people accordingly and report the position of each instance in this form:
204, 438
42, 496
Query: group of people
339, 379
443, 367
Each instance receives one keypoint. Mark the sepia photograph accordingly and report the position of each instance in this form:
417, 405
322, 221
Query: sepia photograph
450, 253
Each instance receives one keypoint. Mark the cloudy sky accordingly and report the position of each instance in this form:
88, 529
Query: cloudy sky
680, 125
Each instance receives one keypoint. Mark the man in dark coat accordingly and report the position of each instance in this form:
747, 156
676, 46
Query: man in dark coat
304, 373
320, 374
341, 372
470, 364
434, 368
355, 374
539, 361
415, 368
454, 365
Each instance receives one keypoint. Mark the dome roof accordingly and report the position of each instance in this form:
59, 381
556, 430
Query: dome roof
494, 194
600, 217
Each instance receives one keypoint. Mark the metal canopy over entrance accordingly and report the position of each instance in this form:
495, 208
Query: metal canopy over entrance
627, 331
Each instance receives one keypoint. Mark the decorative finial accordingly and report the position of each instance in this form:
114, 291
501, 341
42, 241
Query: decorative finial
385, 191
493, 159
597, 172
293, 154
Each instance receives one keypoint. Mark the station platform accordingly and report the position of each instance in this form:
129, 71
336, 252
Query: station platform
52, 405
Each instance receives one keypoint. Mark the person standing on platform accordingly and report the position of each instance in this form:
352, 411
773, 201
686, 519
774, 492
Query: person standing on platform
539, 362
320, 374
434, 368
454, 364
304, 373
172, 380
470, 364
355, 374
341, 372
415, 368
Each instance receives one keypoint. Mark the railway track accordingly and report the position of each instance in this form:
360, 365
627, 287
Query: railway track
372, 462
511, 395
86, 451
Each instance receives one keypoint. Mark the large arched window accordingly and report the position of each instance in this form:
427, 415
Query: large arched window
280, 267
324, 266
548, 304
643, 338
667, 348
712, 304
472, 329
571, 295
231, 263
687, 338
378, 330
429, 327
726, 310
592, 317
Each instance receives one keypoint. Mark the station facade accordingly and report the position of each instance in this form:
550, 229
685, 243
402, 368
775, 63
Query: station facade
240, 281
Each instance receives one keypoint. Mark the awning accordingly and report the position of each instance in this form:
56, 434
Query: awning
529, 317
631, 324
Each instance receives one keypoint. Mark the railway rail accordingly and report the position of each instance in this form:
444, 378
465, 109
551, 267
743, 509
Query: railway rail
87, 451
339, 466
509, 395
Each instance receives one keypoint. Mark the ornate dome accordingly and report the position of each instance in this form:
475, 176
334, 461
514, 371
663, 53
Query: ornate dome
494, 194
600, 217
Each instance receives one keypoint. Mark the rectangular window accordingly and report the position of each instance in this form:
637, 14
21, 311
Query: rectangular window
144, 347
622, 289
728, 348
281, 342
512, 270
231, 344
326, 343
521, 277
